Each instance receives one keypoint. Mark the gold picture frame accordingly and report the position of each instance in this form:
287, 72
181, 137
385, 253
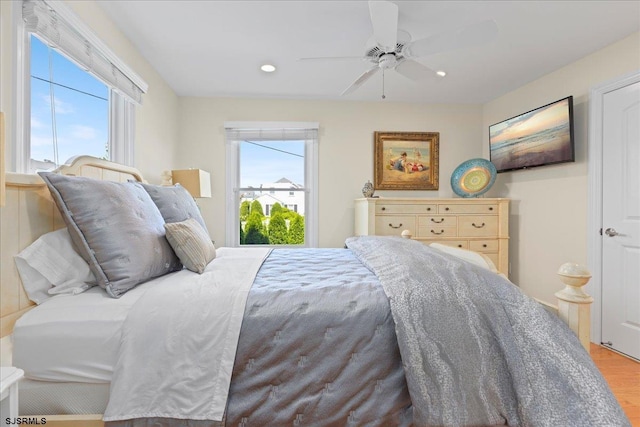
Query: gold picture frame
406, 160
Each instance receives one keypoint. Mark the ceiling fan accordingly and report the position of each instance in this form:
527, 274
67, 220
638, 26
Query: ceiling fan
392, 49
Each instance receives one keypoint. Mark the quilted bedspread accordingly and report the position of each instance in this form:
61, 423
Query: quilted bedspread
477, 351
428, 340
317, 347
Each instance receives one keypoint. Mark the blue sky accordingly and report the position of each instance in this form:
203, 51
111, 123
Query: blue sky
82, 120
268, 161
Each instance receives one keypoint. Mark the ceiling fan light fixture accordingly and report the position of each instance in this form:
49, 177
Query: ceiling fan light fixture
268, 68
441, 73
387, 61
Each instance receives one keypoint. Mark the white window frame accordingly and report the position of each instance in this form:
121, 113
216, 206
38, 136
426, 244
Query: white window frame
233, 181
121, 108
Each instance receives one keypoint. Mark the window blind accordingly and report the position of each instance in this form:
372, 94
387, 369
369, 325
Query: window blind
53, 23
271, 134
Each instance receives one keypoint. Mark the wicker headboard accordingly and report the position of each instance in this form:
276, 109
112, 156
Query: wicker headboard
28, 213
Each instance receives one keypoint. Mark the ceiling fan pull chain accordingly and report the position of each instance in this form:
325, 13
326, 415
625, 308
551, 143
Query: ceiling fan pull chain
383, 97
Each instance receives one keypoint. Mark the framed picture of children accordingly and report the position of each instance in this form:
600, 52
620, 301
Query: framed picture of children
406, 160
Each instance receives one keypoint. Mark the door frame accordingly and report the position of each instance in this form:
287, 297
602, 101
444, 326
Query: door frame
594, 196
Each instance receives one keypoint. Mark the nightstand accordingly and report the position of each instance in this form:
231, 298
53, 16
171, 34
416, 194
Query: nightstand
9, 378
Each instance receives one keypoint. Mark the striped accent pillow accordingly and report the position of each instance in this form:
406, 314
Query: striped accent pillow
191, 243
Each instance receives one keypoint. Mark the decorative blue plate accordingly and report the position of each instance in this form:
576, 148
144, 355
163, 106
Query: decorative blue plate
473, 178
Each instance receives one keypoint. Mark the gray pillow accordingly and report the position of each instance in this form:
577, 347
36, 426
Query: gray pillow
116, 228
175, 203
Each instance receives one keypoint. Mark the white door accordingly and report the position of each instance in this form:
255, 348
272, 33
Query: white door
621, 220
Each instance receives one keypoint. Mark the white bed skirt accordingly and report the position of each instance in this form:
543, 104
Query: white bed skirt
44, 397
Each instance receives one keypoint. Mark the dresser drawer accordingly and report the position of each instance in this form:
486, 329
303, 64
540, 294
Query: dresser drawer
436, 230
478, 226
395, 208
484, 245
468, 209
437, 221
393, 225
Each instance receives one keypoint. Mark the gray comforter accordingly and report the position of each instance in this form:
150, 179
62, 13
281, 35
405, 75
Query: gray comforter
476, 351
317, 347
427, 340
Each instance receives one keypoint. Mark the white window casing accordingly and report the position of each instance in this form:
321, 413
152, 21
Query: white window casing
122, 128
21, 130
236, 132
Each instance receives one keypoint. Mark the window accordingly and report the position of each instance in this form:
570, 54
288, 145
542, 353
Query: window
69, 110
73, 95
271, 184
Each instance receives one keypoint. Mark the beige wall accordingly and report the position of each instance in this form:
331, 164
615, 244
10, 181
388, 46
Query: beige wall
548, 209
549, 204
156, 120
548, 212
345, 148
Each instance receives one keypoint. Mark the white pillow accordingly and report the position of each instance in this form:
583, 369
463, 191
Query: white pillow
476, 258
51, 266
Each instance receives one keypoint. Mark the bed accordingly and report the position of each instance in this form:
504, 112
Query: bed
383, 332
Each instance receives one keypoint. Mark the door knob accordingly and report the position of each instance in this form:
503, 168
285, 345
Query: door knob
611, 232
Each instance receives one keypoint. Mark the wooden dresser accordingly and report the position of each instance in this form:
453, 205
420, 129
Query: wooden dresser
481, 225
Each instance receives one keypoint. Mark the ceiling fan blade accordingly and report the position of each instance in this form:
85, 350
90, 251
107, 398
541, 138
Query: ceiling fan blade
472, 35
414, 70
384, 18
360, 80
334, 58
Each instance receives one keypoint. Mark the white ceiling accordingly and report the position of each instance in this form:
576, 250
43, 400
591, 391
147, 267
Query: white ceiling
215, 48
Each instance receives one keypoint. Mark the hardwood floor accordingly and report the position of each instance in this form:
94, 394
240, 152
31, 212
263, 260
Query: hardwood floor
623, 376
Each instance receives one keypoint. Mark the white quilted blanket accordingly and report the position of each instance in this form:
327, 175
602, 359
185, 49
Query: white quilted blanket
179, 343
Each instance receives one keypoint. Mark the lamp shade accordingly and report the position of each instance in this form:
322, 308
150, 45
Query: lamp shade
196, 181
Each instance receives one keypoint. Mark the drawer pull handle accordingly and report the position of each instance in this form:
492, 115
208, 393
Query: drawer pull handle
459, 246
490, 208
393, 226
384, 209
428, 209
484, 245
437, 222
435, 232
446, 209
477, 226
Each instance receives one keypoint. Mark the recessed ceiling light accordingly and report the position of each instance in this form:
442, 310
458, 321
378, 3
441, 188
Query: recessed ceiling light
268, 68
441, 73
